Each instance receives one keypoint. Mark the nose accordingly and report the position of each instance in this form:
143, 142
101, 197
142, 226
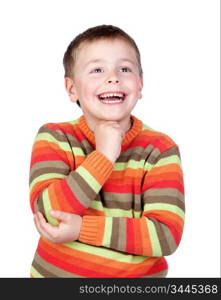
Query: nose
113, 78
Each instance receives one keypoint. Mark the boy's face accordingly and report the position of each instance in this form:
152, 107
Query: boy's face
106, 81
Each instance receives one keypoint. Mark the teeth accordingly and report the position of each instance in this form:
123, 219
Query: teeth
111, 95
111, 101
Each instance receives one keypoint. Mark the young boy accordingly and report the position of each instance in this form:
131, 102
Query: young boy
106, 190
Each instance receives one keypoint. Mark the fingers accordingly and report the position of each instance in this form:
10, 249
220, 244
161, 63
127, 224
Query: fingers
39, 227
61, 215
45, 229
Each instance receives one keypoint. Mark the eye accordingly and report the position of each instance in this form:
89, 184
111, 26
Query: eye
96, 70
125, 69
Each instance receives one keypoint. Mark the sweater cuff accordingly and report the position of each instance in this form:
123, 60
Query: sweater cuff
92, 230
99, 166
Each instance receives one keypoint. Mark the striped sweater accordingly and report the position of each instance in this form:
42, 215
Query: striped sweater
132, 210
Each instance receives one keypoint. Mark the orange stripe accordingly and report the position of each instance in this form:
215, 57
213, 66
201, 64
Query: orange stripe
93, 212
167, 168
70, 158
91, 261
45, 147
39, 186
53, 197
146, 242
138, 236
64, 204
166, 176
166, 217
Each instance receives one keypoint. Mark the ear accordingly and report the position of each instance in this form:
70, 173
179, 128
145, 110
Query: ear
140, 88
70, 88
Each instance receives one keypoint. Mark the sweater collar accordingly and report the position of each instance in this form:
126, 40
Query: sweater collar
129, 136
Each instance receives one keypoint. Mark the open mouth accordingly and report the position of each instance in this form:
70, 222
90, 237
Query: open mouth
112, 97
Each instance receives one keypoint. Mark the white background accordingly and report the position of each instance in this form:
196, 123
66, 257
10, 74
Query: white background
179, 45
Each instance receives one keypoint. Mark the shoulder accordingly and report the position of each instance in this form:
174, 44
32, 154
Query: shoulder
60, 127
60, 131
156, 138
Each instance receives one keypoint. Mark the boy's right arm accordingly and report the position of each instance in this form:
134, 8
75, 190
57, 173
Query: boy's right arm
54, 185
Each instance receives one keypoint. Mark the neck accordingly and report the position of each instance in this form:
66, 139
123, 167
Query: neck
125, 124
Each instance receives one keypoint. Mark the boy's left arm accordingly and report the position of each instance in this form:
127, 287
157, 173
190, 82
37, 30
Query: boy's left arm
158, 232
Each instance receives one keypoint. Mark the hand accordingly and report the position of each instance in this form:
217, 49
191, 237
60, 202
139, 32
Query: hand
67, 231
108, 136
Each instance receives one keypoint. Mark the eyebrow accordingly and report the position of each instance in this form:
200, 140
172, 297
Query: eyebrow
102, 60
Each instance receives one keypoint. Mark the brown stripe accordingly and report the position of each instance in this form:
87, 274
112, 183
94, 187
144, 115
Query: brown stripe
161, 274
130, 201
49, 171
161, 236
125, 201
80, 188
153, 157
115, 234
165, 199
172, 151
138, 203
122, 235
57, 134
45, 273
51, 269
136, 153
83, 145
40, 205
170, 239
118, 204
148, 154
48, 167
164, 192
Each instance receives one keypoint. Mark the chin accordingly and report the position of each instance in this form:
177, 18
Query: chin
114, 116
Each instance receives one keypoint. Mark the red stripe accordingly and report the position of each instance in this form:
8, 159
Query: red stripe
74, 269
165, 184
144, 142
46, 157
160, 266
130, 236
174, 230
71, 198
126, 188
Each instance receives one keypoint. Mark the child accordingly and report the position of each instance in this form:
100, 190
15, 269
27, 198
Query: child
107, 191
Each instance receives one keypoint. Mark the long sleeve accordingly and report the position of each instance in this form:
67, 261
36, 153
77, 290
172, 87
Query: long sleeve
54, 181
158, 231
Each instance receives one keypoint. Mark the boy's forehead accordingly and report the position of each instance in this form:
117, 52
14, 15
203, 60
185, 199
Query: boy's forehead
92, 50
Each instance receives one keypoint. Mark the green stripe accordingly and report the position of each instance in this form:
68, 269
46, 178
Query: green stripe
35, 273
45, 136
115, 212
73, 122
163, 206
91, 181
137, 214
78, 151
173, 159
46, 177
148, 166
107, 253
132, 164
107, 232
47, 208
145, 127
154, 239
97, 205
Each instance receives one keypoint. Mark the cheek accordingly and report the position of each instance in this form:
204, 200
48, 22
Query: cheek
91, 86
134, 84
